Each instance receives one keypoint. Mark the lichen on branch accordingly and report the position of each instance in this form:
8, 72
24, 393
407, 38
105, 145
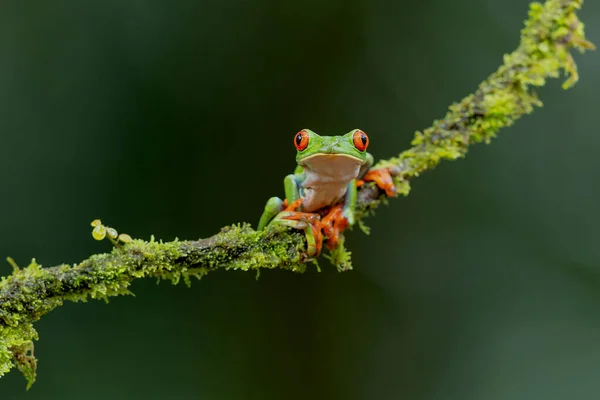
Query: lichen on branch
551, 31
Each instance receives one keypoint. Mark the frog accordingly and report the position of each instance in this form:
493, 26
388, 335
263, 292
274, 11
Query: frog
321, 193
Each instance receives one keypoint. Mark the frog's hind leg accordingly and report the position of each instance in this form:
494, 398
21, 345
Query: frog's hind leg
339, 217
311, 225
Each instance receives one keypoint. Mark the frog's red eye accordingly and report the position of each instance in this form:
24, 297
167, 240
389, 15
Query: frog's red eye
301, 140
361, 140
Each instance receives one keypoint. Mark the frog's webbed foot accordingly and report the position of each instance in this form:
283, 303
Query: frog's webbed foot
382, 178
333, 225
309, 222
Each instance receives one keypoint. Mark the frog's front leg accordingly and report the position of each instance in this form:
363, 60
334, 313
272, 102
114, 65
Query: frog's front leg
381, 176
273, 207
291, 185
285, 213
350, 202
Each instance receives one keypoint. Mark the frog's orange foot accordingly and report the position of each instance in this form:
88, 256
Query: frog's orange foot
383, 178
333, 225
309, 222
293, 206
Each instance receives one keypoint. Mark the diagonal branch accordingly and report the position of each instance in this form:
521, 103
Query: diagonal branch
25, 296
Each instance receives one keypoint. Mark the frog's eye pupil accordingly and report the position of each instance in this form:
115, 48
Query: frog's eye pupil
301, 140
361, 140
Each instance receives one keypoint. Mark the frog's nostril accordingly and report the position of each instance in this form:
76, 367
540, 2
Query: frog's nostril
334, 145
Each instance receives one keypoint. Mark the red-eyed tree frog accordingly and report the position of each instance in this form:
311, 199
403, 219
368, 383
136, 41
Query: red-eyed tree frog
320, 196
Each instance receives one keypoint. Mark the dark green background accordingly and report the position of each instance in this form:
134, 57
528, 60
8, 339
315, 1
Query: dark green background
176, 118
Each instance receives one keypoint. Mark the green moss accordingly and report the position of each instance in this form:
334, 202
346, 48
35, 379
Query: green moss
14, 350
26, 361
340, 257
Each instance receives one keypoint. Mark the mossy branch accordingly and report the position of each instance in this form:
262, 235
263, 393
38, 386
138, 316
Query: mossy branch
27, 294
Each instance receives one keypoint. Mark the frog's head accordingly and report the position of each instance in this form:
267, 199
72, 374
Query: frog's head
326, 153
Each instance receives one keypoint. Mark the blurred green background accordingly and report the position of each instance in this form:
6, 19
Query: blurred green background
177, 118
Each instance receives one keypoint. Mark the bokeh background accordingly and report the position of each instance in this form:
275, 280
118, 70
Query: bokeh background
177, 118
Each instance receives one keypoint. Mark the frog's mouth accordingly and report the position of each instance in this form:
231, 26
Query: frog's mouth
331, 157
339, 166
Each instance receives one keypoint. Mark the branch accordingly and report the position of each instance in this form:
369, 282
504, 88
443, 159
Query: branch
27, 294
